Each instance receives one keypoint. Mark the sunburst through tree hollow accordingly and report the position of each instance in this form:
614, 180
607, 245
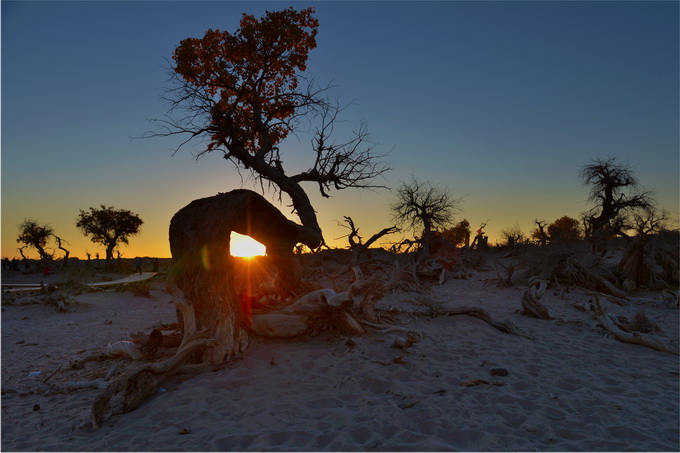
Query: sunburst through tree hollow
245, 246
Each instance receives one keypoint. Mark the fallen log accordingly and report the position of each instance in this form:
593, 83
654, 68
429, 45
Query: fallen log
638, 338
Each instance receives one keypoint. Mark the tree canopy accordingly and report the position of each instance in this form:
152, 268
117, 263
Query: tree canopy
565, 229
35, 235
109, 226
244, 93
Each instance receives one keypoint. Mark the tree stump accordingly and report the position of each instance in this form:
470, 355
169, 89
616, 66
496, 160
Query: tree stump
200, 279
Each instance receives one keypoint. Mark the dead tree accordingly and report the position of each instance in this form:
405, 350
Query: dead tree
423, 205
201, 277
21, 252
356, 244
616, 191
61, 247
540, 233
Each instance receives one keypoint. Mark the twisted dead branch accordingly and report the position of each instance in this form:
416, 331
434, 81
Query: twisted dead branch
131, 388
638, 338
483, 315
531, 305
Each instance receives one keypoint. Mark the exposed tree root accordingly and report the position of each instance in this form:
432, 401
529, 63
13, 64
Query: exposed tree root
480, 313
101, 384
130, 389
628, 337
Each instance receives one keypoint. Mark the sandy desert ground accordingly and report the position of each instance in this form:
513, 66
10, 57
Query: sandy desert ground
563, 385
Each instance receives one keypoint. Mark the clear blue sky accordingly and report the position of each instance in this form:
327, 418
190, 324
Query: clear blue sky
502, 102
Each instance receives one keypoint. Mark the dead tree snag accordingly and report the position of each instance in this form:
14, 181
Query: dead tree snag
201, 277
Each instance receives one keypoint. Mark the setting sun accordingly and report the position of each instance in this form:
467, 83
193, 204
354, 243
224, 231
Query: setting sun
245, 246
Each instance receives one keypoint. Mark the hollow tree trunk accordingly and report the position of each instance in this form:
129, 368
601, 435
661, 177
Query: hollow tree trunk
200, 279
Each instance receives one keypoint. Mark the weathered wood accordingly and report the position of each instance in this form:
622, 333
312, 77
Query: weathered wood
201, 277
312, 313
130, 389
481, 314
101, 384
638, 338
530, 300
167, 341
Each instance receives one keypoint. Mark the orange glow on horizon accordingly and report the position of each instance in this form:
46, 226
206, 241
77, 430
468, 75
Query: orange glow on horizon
245, 246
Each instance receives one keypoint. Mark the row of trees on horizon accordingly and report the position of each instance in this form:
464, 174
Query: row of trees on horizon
106, 226
423, 208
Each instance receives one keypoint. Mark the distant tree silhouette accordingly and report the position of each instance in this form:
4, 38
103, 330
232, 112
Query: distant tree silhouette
650, 220
60, 246
512, 236
458, 234
109, 226
616, 192
241, 93
539, 234
35, 235
422, 206
356, 243
565, 229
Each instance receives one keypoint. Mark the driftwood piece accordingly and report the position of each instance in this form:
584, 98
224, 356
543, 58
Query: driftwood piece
638, 338
481, 314
317, 311
531, 305
312, 313
130, 389
95, 383
122, 348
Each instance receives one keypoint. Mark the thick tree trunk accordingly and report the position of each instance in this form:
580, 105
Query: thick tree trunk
201, 277
309, 232
109, 255
44, 256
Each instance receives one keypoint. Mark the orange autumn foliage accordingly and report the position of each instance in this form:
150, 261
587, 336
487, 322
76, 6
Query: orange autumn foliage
248, 78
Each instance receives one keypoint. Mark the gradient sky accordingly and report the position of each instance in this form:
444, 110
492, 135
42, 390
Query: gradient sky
502, 102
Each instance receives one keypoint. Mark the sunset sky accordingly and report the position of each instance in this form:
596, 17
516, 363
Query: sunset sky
501, 102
